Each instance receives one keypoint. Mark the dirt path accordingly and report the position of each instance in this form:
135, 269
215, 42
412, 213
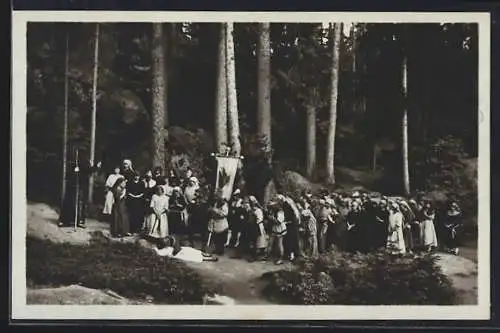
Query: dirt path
239, 278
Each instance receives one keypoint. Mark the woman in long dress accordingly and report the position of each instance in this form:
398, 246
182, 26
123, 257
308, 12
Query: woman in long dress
257, 224
109, 196
156, 223
427, 228
395, 238
135, 203
119, 214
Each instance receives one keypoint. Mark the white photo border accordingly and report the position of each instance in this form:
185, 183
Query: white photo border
22, 311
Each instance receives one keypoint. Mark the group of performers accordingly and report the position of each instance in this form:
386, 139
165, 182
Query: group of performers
163, 207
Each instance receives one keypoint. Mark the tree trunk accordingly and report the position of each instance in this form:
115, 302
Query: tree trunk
158, 97
65, 122
311, 140
232, 97
335, 30
94, 112
167, 27
264, 83
221, 93
406, 173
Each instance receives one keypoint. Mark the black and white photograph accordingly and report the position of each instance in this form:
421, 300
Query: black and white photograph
197, 165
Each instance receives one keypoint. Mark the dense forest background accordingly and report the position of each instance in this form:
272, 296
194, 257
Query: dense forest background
442, 99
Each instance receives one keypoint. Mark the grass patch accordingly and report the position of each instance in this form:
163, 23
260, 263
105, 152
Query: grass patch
128, 269
362, 279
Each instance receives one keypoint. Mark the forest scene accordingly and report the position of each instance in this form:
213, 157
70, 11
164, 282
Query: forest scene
337, 110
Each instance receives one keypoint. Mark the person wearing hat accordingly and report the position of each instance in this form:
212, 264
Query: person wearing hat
120, 222
451, 226
395, 238
408, 225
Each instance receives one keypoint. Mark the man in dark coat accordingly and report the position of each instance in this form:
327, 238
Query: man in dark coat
77, 189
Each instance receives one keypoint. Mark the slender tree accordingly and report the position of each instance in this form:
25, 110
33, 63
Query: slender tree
232, 97
406, 173
93, 121
310, 139
158, 96
221, 92
264, 83
65, 120
335, 35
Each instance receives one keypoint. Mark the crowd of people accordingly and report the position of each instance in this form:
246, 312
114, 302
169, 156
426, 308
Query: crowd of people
160, 207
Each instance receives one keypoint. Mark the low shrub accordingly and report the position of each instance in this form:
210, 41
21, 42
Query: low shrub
127, 269
362, 279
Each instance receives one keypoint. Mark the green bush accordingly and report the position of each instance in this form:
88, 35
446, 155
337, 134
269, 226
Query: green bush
127, 269
443, 167
362, 279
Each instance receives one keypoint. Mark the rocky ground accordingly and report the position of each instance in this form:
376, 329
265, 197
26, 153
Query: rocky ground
239, 278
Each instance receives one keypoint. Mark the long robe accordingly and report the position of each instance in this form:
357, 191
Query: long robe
428, 231
156, 222
395, 238
135, 204
120, 225
109, 198
70, 206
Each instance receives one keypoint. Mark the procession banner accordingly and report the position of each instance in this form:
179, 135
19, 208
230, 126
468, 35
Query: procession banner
226, 173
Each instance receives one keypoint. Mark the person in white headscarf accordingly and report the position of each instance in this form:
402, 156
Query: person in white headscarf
395, 237
127, 170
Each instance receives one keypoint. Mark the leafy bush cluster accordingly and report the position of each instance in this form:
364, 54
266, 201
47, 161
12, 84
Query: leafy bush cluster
443, 167
127, 269
362, 279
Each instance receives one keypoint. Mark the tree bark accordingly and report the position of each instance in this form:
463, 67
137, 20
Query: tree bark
158, 96
94, 112
264, 83
335, 30
221, 93
406, 173
65, 121
232, 100
311, 140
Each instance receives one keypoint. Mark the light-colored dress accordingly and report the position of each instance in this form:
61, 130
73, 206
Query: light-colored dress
428, 231
395, 238
154, 227
261, 237
109, 197
186, 253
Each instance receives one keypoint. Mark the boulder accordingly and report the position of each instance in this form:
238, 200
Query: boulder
294, 183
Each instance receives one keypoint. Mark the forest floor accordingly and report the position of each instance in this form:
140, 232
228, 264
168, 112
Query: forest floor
240, 279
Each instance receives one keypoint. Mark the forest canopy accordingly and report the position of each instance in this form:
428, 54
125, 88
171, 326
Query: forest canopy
442, 98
